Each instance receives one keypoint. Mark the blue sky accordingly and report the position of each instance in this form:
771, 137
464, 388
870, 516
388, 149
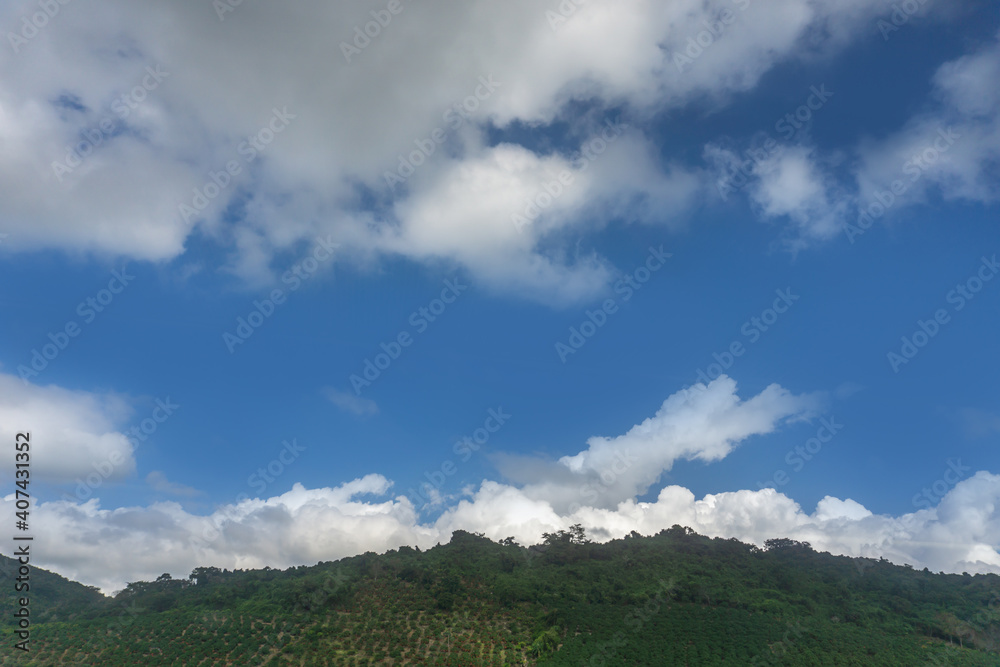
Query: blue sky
204, 196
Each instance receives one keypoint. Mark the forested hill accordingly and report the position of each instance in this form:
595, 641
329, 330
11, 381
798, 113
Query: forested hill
675, 598
53, 597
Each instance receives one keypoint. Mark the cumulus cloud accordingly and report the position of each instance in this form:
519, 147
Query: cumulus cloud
71, 431
109, 547
304, 526
519, 199
959, 535
309, 151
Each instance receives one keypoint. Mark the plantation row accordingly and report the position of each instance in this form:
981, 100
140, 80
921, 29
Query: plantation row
672, 599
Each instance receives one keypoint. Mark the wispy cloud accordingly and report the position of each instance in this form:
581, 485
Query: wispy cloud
347, 401
979, 423
159, 482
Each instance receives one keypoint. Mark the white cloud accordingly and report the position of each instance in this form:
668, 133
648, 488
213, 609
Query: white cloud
108, 548
833, 508
702, 423
353, 121
348, 401
966, 83
490, 211
73, 433
305, 526
952, 148
792, 184
960, 534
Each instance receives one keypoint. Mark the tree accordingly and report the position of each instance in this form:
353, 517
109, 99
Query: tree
578, 535
204, 575
563, 546
545, 643
575, 535
785, 543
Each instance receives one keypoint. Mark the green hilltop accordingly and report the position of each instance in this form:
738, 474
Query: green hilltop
676, 598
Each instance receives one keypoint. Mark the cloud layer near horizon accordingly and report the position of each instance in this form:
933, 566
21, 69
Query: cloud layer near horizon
109, 547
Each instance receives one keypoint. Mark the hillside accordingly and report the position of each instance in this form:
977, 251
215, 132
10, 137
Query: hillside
676, 598
53, 597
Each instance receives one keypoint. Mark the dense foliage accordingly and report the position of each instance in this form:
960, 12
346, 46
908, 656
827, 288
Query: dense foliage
676, 598
52, 597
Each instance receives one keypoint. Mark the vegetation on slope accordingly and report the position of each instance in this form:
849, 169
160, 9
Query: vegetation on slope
676, 598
